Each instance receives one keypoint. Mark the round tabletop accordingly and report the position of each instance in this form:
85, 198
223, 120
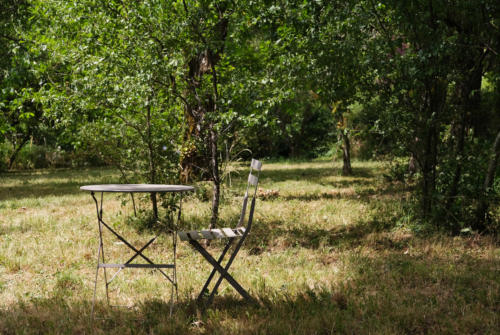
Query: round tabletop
136, 188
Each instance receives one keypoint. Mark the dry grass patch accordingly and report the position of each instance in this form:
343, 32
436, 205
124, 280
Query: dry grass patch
325, 256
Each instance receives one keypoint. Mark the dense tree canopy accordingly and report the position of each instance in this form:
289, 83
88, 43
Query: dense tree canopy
173, 90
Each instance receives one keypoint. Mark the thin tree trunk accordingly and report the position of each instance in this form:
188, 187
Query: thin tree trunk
482, 211
13, 156
152, 164
429, 172
215, 177
412, 164
436, 98
214, 159
202, 110
346, 153
459, 151
469, 98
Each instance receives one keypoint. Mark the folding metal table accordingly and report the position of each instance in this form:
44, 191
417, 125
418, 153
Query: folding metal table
138, 252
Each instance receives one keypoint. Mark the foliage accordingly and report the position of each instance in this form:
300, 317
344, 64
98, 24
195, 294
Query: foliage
428, 61
21, 115
298, 127
4, 150
151, 86
106, 90
160, 89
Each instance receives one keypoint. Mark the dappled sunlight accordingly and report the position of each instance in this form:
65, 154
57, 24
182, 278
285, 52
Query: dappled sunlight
46, 183
319, 257
333, 290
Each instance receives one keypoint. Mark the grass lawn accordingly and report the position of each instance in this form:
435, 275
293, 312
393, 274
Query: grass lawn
328, 254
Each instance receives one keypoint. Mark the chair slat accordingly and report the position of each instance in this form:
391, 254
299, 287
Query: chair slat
216, 233
183, 235
256, 165
207, 234
228, 232
211, 234
253, 180
194, 235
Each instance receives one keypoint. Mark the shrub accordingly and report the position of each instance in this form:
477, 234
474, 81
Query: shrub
39, 157
3, 156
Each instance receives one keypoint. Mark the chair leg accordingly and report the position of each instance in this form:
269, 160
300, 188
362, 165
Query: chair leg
209, 279
228, 264
221, 270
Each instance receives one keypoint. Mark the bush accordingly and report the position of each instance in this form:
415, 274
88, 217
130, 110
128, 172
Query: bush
31, 157
398, 170
4, 150
34, 156
145, 221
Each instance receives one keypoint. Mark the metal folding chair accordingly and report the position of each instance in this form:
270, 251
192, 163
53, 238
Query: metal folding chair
239, 233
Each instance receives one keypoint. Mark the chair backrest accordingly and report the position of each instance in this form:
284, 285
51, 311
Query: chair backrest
253, 182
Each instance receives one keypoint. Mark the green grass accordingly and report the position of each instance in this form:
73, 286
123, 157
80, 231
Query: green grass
328, 254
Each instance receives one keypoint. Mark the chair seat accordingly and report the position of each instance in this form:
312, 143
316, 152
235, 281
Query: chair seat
211, 234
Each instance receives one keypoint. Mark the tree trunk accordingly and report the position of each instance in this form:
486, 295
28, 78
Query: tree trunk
13, 156
195, 152
201, 108
195, 158
429, 174
468, 98
412, 164
214, 162
482, 211
152, 163
436, 98
346, 153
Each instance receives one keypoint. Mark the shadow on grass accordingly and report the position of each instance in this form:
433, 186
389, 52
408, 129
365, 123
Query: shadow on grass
262, 238
343, 190
321, 196
384, 293
39, 190
380, 217
45, 183
51, 174
314, 174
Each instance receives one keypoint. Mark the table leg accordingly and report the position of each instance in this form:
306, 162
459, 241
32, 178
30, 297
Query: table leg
95, 282
174, 246
100, 253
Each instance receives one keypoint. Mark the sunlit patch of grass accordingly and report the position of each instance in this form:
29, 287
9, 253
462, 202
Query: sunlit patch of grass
327, 254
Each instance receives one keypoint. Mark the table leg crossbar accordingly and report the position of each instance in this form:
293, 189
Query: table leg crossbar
132, 258
138, 252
